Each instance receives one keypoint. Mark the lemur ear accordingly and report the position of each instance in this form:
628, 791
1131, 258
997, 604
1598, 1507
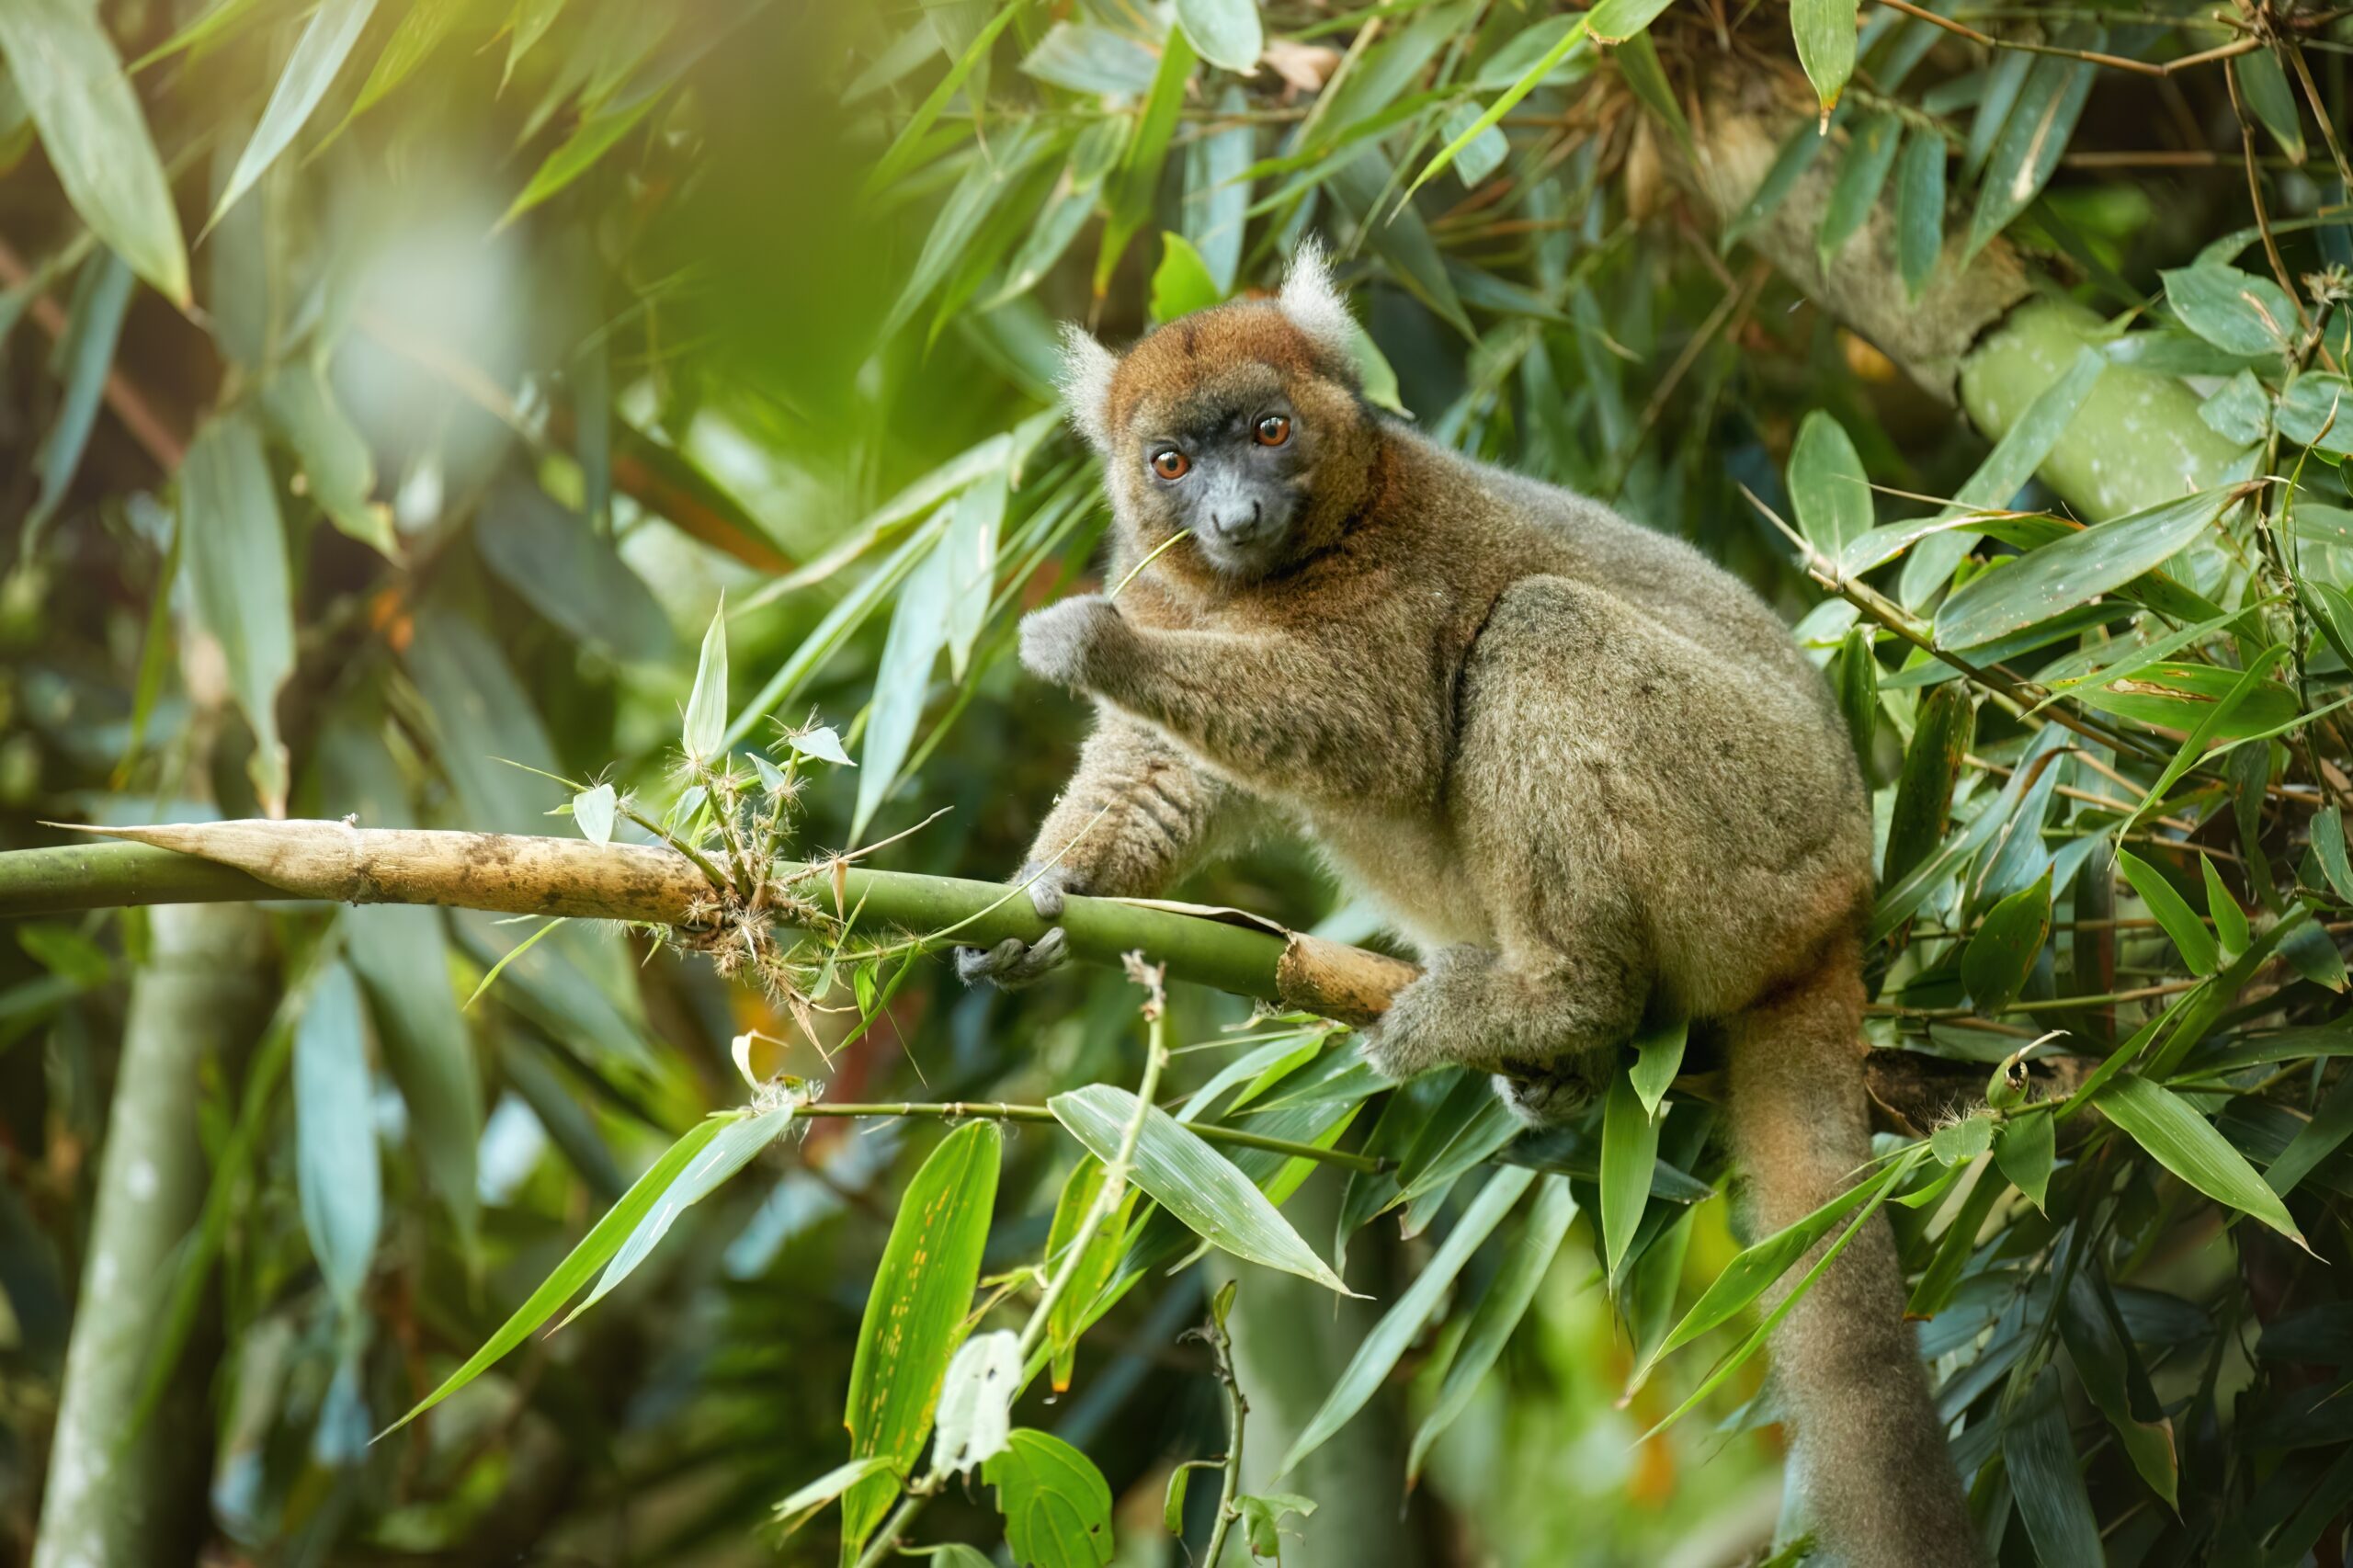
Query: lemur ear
1314, 306
1085, 383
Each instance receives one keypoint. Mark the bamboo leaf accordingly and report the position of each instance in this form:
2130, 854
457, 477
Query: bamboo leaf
2186, 1144
1629, 1150
2173, 913
2268, 94
1832, 493
85, 355
2073, 571
318, 55
970, 549
233, 549
70, 78
1919, 208
1824, 32
2033, 137
914, 1316
1503, 104
401, 960
1615, 21
2236, 311
1658, 1057
1072, 1309
338, 1175
2315, 1141
2328, 848
2230, 920
2040, 1454
1401, 1325
599, 1244
1226, 33
739, 1140
1999, 958
337, 468
903, 682
1502, 1306
1191, 1180
705, 733
804, 1503
1861, 178
2026, 1151
1181, 284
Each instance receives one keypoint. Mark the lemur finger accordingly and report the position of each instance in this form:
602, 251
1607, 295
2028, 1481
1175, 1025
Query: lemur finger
1044, 956
976, 966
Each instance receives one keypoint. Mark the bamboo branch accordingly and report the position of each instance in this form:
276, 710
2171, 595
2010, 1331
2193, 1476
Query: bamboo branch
230, 862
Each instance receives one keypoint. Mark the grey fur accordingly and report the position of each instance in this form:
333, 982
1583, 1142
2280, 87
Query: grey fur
1584, 769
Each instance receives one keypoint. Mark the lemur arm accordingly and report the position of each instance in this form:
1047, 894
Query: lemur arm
1236, 699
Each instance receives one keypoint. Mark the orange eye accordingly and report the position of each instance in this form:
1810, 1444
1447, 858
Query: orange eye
1274, 429
1170, 463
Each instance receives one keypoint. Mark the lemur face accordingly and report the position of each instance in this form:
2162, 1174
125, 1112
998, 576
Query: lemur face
1240, 426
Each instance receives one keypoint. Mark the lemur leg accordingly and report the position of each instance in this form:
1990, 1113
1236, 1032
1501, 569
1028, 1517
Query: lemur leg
1242, 701
1544, 1023
1134, 818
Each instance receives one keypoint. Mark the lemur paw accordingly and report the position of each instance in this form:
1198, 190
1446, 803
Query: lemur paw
1047, 885
1012, 963
1545, 1097
1064, 642
1412, 1036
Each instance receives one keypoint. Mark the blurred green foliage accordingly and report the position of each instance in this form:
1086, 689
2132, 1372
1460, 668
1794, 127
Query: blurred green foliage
391, 393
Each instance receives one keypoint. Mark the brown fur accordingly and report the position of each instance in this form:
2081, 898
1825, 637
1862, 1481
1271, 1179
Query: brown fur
1584, 770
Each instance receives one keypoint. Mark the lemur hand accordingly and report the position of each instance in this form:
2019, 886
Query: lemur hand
1065, 642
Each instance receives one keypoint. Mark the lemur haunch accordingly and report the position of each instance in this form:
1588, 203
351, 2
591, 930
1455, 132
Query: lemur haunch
1584, 770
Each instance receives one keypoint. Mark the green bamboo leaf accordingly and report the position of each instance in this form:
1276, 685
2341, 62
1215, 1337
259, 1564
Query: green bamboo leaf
2040, 1454
2101, 1349
1629, 1150
338, 1174
1658, 1057
2172, 911
318, 55
1788, 165
1615, 21
590, 141
233, 548
2236, 311
914, 1316
569, 571
1861, 178
401, 960
1854, 677
1958, 1142
1505, 1302
337, 469
804, 1503
527, 24
970, 549
2186, 1144
705, 731
1919, 208
1217, 192
2265, 87
1824, 32
1073, 1308
2230, 920
1226, 33
2315, 1141
1832, 493
602, 1240
1999, 958
2033, 137
2026, 1151
1376, 1356
1504, 104
908, 145
1181, 284
738, 1142
1083, 58
1057, 1505
1191, 1180
2316, 411
418, 35
2328, 848
1941, 736
2075, 570
85, 355
1750, 1273
70, 78
903, 682
2173, 695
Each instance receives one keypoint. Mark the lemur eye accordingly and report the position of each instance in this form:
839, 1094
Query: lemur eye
1170, 463
1274, 429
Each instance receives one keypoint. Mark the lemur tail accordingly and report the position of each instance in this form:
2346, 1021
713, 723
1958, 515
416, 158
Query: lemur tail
1867, 1451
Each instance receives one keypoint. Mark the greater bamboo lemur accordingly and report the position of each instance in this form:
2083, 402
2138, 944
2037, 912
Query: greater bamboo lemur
1586, 771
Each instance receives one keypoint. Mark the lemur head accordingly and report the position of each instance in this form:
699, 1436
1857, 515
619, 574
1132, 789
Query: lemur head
1243, 423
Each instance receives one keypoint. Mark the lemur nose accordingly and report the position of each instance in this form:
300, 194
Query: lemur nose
1238, 529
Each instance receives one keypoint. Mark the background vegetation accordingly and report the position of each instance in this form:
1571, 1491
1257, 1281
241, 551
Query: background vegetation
391, 393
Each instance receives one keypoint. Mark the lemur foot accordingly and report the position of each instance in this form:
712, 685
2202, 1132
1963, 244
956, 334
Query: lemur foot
1424, 1026
1014, 963
1546, 1096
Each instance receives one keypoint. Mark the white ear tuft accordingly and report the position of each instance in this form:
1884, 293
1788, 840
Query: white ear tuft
1085, 382
1314, 306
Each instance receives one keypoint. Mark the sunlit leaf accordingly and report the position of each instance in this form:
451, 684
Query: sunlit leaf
2073, 571
318, 55
233, 548
1191, 1180
2236, 311
706, 724
61, 60
916, 1315
1398, 1328
903, 682
2186, 1144
338, 1173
